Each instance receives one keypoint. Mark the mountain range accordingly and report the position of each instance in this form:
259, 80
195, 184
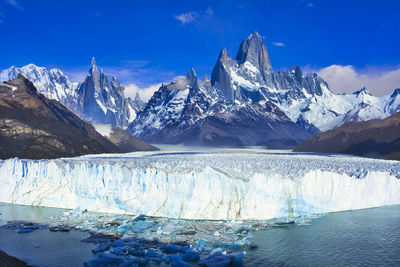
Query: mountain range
33, 126
244, 103
96, 99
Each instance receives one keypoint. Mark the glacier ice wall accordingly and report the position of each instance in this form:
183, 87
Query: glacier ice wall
203, 186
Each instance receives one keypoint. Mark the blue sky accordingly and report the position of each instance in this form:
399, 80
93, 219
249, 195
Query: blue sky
147, 42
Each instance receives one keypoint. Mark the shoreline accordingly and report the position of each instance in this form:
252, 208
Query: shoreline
8, 260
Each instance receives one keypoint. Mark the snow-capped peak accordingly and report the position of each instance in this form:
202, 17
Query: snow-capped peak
247, 84
254, 35
395, 93
51, 83
363, 91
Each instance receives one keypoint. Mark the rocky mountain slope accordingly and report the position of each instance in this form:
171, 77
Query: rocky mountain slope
53, 83
32, 126
379, 138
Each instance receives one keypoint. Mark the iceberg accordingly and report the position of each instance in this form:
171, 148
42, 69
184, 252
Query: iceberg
211, 185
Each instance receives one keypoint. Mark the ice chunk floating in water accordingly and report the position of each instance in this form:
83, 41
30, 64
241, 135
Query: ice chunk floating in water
226, 184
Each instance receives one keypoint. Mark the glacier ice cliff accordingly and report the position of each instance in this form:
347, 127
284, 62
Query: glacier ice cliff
237, 185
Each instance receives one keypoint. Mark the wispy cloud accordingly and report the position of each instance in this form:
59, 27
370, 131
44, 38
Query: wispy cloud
15, 4
193, 16
139, 72
145, 93
77, 74
209, 11
2, 17
347, 79
188, 17
310, 5
279, 44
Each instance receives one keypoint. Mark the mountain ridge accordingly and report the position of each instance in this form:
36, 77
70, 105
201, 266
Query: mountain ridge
240, 86
378, 138
118, 109
247, 81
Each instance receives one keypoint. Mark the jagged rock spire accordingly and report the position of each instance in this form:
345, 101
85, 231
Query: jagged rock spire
395, 93
219, 75
297, 73
93, 68
223, 56
137, 96
254, 51
191, 78
94, 74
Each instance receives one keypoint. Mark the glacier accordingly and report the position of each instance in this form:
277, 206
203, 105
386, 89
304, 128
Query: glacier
210, 184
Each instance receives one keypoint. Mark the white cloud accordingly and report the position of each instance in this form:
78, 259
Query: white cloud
180, 83
209, 11
15, 4
187, 17
279, 44
347, 79
144, 93
310, 5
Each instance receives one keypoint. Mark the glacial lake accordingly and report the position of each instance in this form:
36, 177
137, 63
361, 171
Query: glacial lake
351, 238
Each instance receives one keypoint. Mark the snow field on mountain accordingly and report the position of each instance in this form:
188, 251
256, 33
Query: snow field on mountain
225, 184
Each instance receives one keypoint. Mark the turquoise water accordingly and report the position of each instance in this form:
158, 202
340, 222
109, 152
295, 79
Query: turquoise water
368, 237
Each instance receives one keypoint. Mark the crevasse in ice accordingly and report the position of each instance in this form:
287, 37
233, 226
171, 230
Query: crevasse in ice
224, 185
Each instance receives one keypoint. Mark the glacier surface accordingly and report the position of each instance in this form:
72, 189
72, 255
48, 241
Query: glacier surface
223, 184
